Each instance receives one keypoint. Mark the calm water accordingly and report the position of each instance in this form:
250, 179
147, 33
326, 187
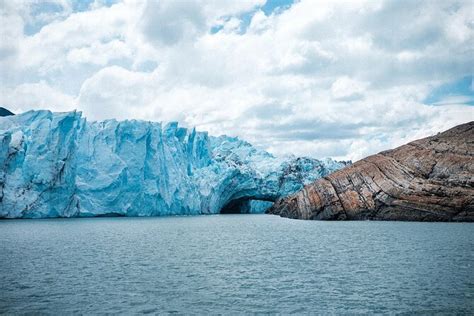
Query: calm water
234, 264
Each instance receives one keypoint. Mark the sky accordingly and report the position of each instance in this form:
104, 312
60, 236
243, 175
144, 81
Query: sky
341, 79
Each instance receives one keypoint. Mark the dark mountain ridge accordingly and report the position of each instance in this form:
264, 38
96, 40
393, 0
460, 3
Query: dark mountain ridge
5, 112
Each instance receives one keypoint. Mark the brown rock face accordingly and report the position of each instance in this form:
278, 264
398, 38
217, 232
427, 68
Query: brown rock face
431, 179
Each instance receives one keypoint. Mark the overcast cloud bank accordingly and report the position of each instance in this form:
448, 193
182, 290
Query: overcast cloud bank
321, 78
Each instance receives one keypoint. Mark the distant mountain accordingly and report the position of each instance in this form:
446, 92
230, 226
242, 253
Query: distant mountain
430, 179
5, 112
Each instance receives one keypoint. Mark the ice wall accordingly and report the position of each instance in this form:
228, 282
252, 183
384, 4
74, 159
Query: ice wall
61, 165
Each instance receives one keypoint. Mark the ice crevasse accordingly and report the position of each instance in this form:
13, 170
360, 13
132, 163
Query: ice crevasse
61, 165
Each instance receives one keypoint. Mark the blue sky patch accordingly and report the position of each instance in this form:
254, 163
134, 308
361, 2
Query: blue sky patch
458, 91
46, 12
84, 5
216, 28
42, 13
276, 5
270, 7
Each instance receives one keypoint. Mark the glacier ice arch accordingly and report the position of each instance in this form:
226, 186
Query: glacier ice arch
246, 190
247, 205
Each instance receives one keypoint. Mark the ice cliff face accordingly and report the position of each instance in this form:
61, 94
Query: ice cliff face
60, 165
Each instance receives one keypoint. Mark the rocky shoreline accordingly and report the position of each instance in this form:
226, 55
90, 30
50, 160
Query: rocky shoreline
431, 179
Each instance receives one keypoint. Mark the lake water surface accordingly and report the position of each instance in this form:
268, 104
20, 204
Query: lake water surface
234, 264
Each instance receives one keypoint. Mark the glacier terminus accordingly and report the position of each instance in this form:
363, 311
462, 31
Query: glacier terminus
61, 165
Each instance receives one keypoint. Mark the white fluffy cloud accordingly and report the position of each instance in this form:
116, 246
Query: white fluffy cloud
321, 78
36, 96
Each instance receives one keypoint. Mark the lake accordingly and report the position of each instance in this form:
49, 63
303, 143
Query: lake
234, 264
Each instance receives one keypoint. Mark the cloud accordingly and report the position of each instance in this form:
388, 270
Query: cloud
344, 88
99, 53
170, 22
320, 78
115, 92
36, 96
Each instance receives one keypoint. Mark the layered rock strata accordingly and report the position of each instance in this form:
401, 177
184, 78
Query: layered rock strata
431, 179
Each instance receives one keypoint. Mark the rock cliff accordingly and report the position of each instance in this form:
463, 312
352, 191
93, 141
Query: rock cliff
431, 179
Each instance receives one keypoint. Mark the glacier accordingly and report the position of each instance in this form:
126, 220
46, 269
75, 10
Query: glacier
62, 165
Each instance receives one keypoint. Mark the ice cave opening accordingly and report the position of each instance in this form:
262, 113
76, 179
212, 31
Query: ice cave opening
246, 205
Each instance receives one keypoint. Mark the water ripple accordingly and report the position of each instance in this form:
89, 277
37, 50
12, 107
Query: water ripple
234, 264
